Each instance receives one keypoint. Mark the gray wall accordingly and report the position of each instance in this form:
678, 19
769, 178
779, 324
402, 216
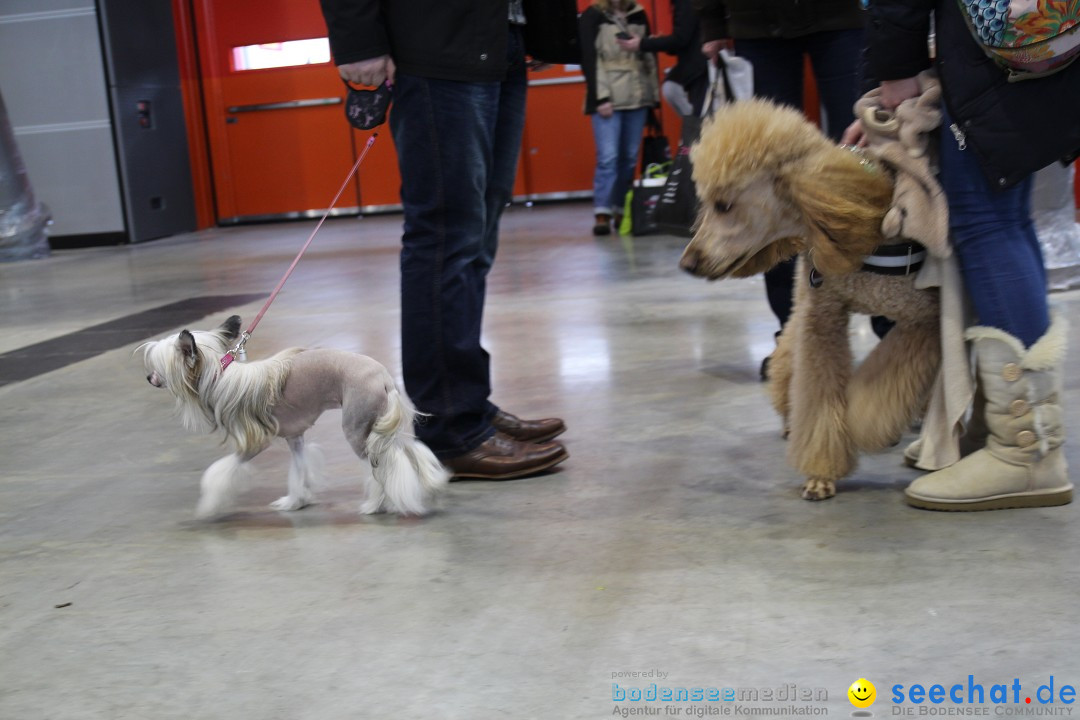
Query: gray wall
53, 78
73, 73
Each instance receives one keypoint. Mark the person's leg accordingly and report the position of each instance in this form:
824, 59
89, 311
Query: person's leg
996, 245
443, 132
778, 76
696, 94
835, 57
779, 290
508, 130
606, 139
1019, 354
676, 97
778, 68
509, 125
631, 125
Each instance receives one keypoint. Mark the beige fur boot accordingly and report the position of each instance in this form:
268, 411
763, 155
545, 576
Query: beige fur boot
1022, 464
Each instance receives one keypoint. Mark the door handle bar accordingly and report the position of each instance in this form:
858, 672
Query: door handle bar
312, 102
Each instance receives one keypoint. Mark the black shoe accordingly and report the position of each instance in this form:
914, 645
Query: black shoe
603, 225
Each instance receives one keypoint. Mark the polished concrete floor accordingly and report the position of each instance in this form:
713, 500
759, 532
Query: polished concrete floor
672, 542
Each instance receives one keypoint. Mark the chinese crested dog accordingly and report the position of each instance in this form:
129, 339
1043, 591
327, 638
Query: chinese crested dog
283, 396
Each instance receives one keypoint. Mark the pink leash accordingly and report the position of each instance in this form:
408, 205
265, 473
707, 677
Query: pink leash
238, 349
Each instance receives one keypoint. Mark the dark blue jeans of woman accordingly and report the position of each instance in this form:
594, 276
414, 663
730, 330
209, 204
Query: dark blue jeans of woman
778, 75
457, 146
996, 247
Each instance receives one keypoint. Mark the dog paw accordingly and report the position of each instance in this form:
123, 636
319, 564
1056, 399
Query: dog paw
205, 511
210, 508
818, 489
289, 503
372, 506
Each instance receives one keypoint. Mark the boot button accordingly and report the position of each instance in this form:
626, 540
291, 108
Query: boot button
1025, 438
1011, 372
1019, 408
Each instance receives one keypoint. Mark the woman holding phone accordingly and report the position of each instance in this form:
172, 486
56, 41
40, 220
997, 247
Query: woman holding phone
621, 87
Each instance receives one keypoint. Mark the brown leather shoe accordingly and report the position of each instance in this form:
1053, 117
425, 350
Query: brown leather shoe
502, 458
534, 431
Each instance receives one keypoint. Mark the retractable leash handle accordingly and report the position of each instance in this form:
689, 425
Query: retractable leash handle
237, 351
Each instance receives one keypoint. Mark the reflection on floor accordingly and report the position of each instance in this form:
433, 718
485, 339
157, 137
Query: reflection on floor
672, 543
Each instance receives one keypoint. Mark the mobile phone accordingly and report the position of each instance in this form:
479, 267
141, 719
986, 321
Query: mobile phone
622, 35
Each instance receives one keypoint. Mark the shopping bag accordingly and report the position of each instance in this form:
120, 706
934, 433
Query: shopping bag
655, 148
677, 205
731, 78
646, 193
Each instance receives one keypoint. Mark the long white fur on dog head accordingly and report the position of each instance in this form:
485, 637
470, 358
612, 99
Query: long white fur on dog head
187, 364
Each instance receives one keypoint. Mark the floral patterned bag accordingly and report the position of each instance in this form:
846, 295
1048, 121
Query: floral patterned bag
1029, 38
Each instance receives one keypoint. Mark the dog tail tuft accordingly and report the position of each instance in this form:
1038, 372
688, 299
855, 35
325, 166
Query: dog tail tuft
408, 471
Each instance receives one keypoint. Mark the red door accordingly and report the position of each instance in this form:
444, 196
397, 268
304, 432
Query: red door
279, 142
557, 154
279, 145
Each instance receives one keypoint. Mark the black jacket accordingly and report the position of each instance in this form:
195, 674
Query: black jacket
1013, 128
446, 39
684, 43
746, 19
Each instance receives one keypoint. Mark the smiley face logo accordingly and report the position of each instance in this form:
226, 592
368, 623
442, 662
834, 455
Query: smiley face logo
862, 693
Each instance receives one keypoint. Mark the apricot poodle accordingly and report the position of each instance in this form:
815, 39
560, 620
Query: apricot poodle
771, 187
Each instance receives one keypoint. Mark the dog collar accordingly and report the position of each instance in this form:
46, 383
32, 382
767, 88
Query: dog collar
900, 259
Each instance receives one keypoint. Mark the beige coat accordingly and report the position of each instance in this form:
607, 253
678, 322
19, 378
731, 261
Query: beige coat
627, 80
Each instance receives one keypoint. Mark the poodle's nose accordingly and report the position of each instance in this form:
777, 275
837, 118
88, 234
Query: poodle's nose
690, 261
153, 379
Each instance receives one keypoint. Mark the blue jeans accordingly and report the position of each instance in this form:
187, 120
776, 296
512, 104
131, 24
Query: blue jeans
995, 242
618, 139
457, 145
778, 75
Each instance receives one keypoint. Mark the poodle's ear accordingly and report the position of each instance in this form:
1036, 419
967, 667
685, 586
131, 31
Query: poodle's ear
843, 202
230, 329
